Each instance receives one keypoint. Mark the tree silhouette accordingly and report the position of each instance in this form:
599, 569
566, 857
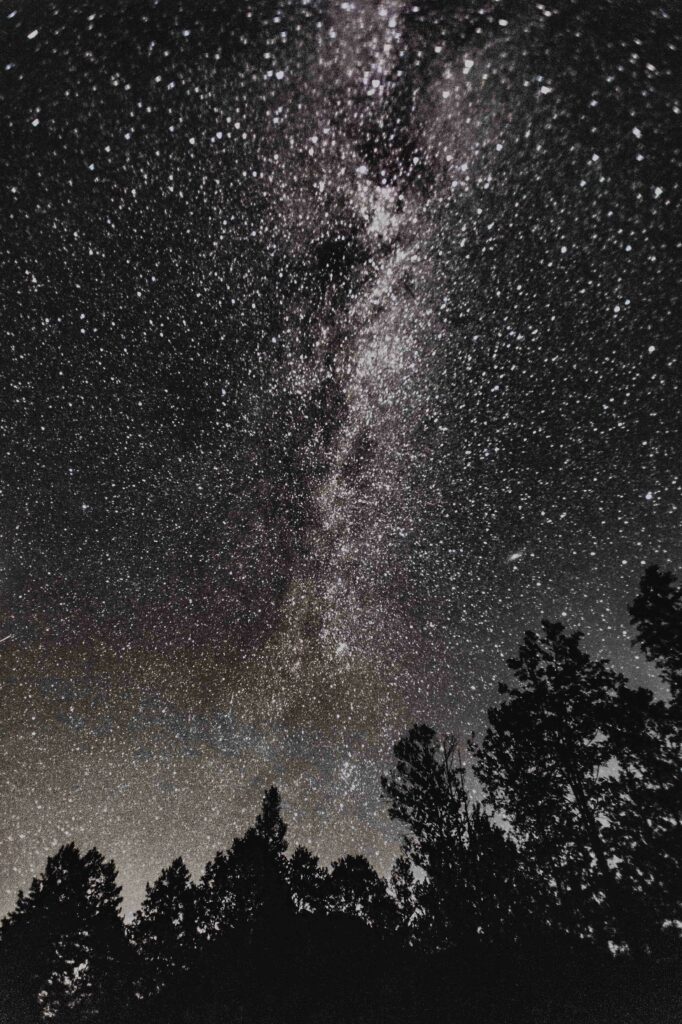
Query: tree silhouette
472, 887
164, 929
644, 826
652, 780
426, 792
63, 948
308, 882
404, 892
357, 890
269, 824
657, 616
551, 761
249, 881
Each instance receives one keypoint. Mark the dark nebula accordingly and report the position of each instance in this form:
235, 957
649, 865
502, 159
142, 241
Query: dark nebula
340, 343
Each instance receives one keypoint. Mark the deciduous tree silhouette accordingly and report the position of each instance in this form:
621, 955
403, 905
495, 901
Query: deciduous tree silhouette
644, 825
657, 616
551, 761
357, 890
652, 775
308, 882
472, 885
404, 891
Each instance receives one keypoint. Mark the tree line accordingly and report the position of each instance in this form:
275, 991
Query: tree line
539, 878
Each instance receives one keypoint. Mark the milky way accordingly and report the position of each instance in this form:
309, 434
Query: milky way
339, 345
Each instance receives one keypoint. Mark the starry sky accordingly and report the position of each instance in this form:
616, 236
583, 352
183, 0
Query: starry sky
339, 344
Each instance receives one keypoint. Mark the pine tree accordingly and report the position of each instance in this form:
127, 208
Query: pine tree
269, 824
248, 883
164, 929
63, 948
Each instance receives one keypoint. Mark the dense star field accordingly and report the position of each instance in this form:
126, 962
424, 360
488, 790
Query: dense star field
340, 343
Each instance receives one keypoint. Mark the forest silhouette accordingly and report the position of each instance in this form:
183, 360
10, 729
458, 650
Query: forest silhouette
554, 894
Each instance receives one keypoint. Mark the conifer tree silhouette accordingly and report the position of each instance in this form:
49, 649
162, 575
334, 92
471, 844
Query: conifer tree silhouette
269, 824
248, 883
164, 930
63, 949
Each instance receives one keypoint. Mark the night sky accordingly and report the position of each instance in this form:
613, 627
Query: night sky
339, 344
